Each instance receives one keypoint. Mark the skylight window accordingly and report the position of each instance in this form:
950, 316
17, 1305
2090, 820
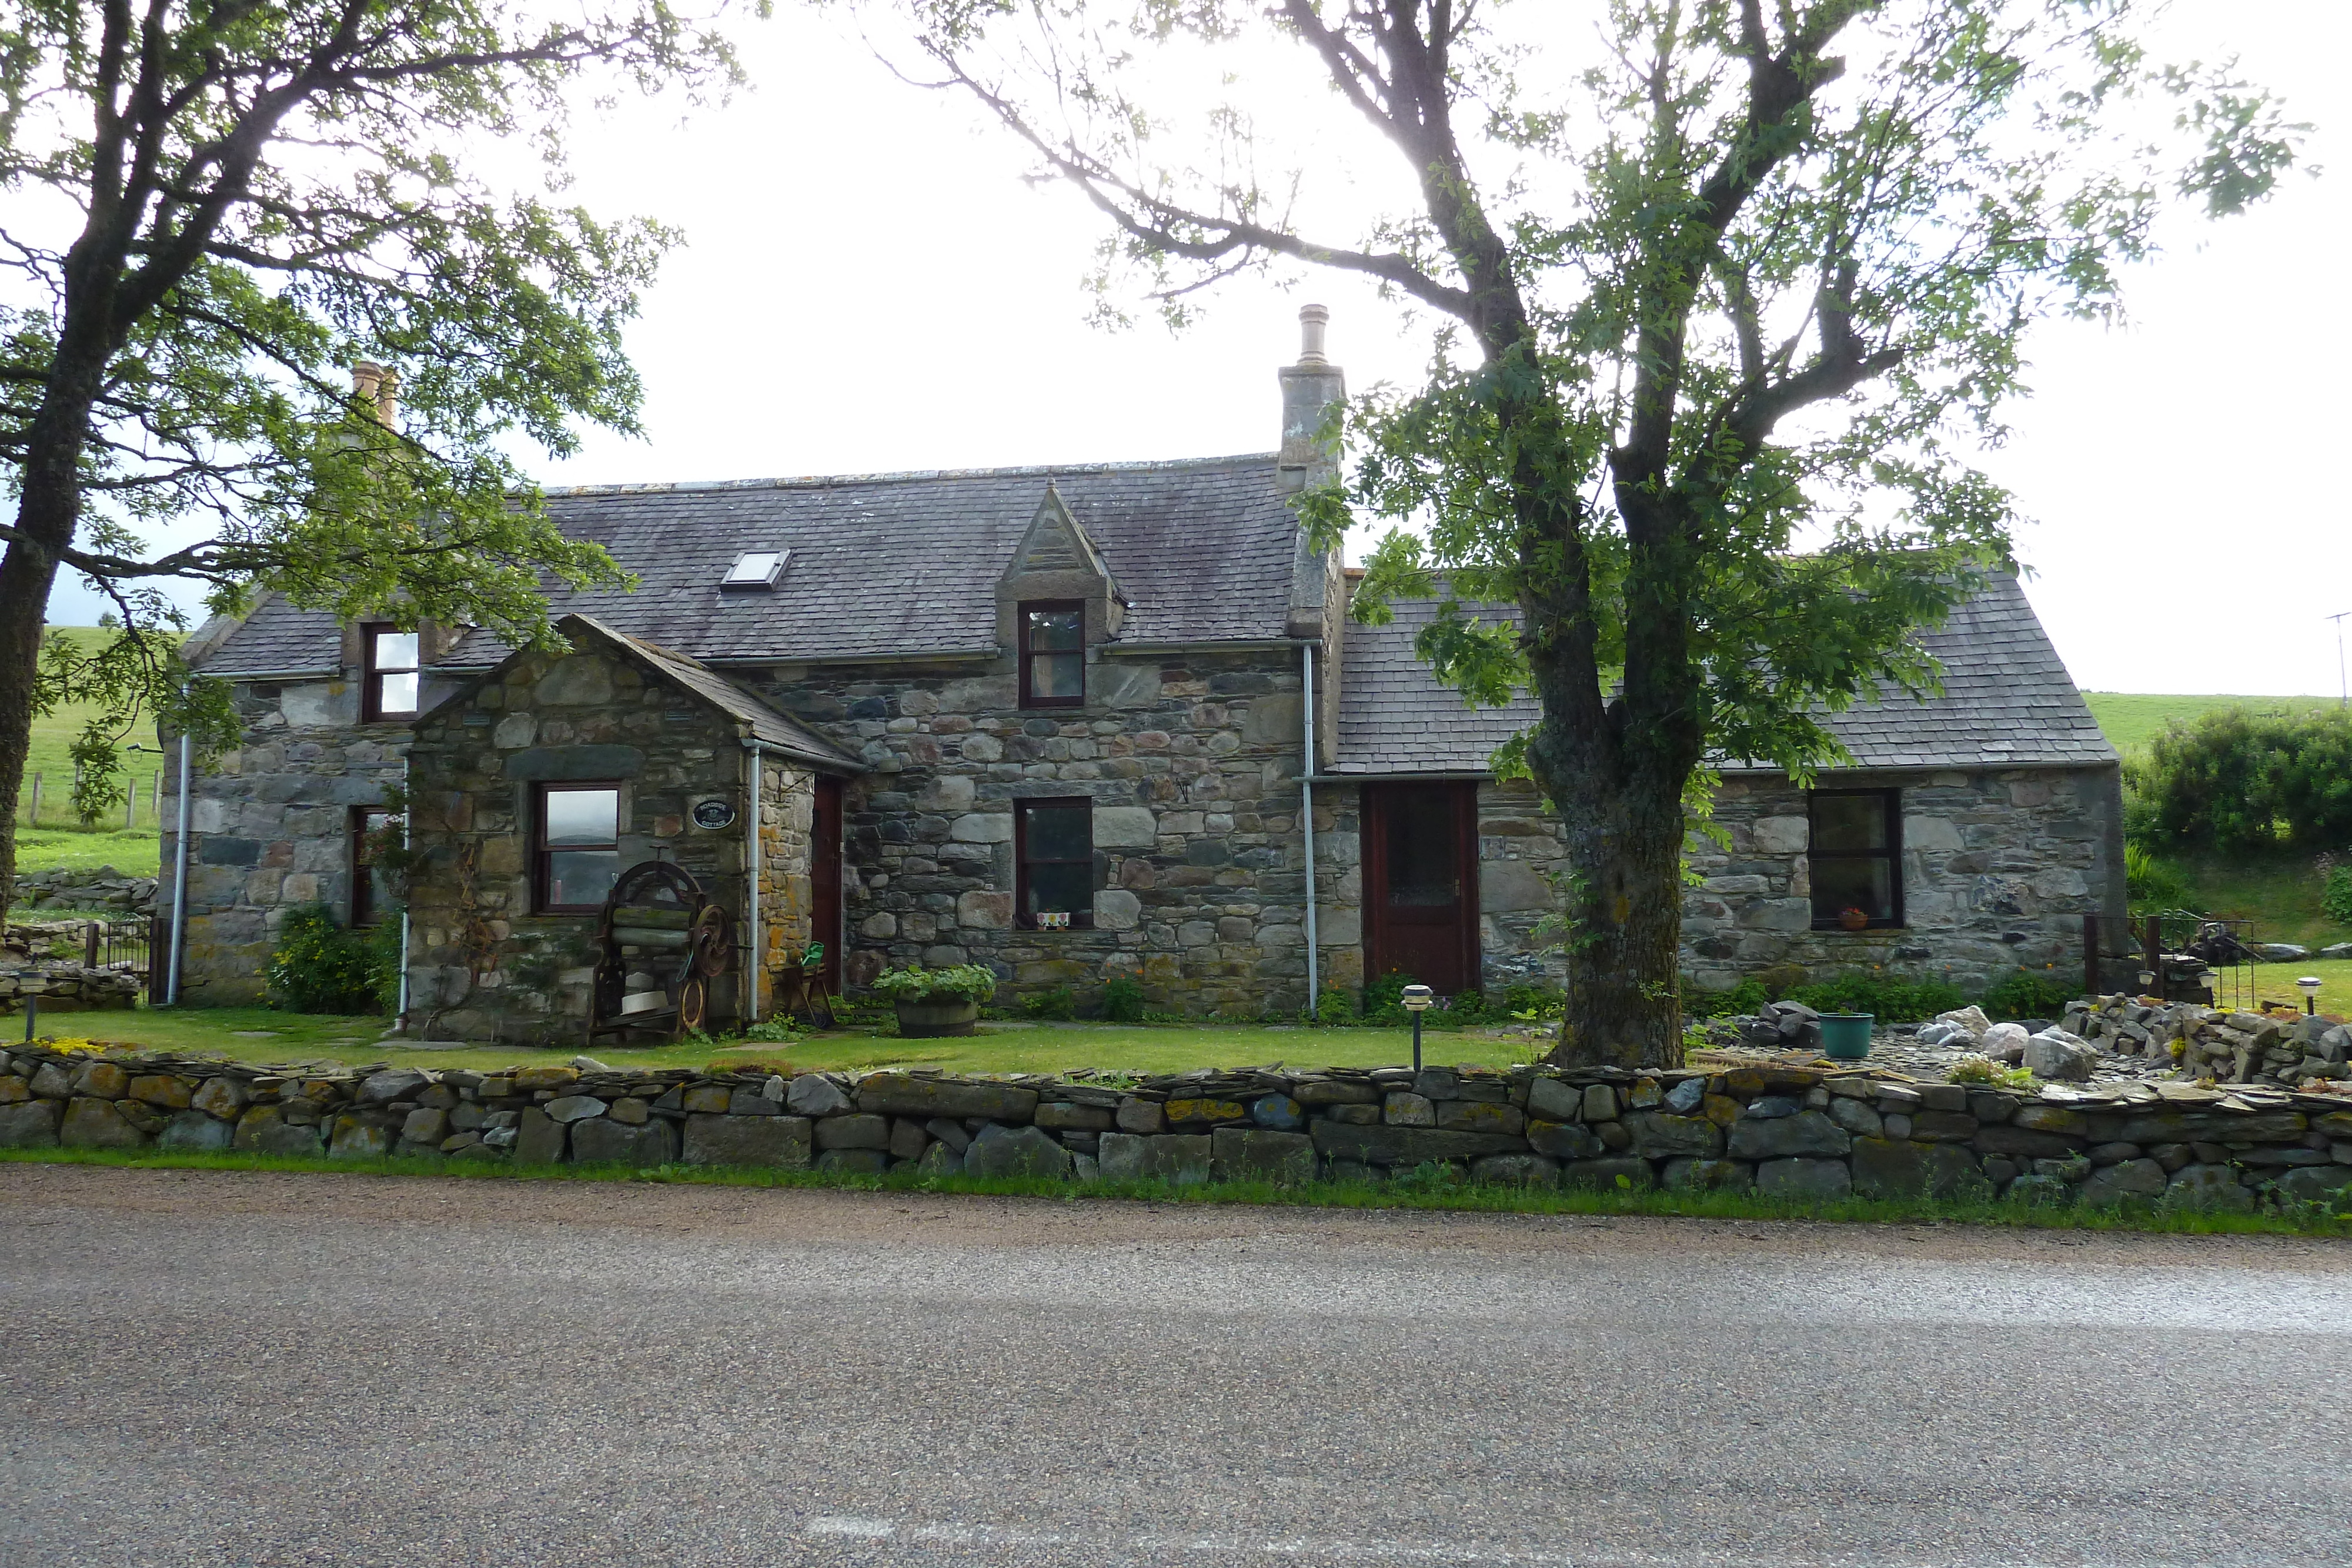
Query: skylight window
756, 570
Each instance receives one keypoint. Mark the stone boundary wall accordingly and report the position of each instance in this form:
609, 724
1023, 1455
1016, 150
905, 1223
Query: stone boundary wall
65, 986
100, 893
1793, 1131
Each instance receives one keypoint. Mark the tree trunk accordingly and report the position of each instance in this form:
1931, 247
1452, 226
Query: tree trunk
25, 574
1624, 907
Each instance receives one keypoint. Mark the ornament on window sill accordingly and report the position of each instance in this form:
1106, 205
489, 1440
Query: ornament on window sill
1053, 920
1853, 917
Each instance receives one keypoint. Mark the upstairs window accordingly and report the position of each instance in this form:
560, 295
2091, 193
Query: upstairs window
1054, 851
387, 673
1857, 857
578, 855
1054, 654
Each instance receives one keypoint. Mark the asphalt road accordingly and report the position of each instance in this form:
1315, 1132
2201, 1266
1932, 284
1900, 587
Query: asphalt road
209, 1368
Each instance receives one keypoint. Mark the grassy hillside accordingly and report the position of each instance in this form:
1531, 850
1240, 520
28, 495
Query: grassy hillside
2132, 719
59, 839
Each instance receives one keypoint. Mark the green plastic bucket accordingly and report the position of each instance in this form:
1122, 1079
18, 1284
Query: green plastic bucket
1847, 1036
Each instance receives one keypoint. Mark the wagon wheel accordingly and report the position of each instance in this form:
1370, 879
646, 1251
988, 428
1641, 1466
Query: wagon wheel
693, 1002
711, 943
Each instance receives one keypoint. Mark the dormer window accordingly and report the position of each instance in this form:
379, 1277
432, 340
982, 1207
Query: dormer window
756, 571
1054, 654
387, 673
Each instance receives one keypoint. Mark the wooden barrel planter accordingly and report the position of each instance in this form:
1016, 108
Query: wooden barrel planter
934, 1017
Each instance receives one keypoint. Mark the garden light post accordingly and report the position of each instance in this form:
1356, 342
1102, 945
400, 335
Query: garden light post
1416, 999
2309, 987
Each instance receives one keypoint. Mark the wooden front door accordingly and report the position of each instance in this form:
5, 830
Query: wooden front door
824, 878
1420, 883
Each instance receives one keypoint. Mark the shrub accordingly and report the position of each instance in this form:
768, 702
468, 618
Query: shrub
1383, 1002
1467, 1007
1973, 1068
774, 1031
2336, 897
1892, 998
957, 982
1524, 999
1057, 1003
1747, 997
1123, 1000
321, 968
2238, 779
1334, 1008
2027, 994
2151, 881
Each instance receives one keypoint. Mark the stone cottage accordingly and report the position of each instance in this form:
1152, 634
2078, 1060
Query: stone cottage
1071, 723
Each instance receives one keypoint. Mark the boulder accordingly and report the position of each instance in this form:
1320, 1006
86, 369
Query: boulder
1970, 1018
722, 1140
29, 1124
1238, 1154
94, 1123
603, 1140
1170, 1157
223, 1097
814, 1094
1804, 1178
902, 1094
357, 1137
194, 1130
2059, 1056
2280, 951
2004, 1042
2309, 1184
1553, 1101
392, 1083
1002, 1151
2112, 1185
1658, 1135
1515, 1170
540, 1138
1564, 1141
1783, 1137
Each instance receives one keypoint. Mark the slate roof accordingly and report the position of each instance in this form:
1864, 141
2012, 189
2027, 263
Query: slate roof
2007, 700
889, 564
776, 730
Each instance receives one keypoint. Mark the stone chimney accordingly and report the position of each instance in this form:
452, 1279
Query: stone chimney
380, 387
1309, 387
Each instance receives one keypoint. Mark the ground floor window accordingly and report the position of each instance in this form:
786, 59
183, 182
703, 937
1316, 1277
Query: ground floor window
372, 828
1857, 857
1054, 851
578, 855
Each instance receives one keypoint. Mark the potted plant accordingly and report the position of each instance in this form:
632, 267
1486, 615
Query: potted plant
1853, 917
935, 1002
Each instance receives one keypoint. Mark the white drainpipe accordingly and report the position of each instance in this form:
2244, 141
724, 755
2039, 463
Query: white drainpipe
1306, 815
179, 880
407, 817
751, 903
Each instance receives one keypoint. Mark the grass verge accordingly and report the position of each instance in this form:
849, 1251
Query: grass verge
266, 1036
2294, 1219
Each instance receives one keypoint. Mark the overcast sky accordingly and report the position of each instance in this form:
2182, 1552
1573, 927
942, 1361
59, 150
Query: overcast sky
866, 286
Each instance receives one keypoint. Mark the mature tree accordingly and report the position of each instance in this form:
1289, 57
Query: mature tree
217, 209
1717, 321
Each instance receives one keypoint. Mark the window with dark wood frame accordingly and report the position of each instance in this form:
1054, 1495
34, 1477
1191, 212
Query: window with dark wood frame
367, 896
576, 847
1855, 856
1053, 653
1054, 861
388, 673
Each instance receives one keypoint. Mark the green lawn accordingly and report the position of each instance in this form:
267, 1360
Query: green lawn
261, 1035
2132, 719
57, 838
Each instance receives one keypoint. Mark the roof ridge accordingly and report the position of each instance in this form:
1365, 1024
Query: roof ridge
913, 475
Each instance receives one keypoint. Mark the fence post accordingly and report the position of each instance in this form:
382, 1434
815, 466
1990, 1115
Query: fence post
90, 945
2152, 953
131, 806
156, 798
34, 820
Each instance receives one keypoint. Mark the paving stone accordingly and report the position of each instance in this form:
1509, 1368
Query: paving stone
722, 1140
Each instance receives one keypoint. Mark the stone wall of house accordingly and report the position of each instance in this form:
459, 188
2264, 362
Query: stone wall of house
270, 827
482, 964
1191, 761
1998, 868
1790, 1131
787, 904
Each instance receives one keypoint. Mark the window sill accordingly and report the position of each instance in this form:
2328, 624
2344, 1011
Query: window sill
1871, 929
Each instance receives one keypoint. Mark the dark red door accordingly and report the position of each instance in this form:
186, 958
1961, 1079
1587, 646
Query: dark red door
1420, 883
824, 878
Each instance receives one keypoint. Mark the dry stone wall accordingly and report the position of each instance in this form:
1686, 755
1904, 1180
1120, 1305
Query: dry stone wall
1786, 1131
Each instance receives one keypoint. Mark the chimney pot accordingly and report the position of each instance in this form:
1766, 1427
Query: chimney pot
387, 399
1312, 319
366, 376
